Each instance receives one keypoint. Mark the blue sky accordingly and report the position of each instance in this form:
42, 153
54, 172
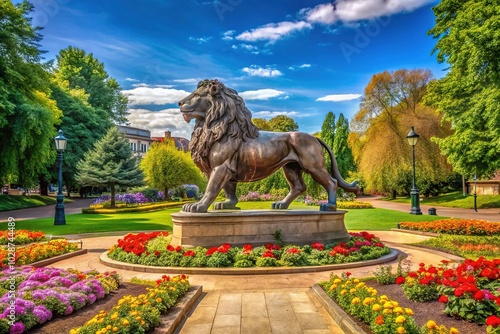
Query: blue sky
298, 58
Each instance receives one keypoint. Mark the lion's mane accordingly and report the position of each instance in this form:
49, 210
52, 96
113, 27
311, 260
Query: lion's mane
227, 117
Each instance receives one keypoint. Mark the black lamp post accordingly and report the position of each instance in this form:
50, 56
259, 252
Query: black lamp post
475, 193
61, 142
412, 138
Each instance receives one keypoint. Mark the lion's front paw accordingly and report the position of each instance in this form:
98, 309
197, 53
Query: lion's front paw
195, 207
328, 207
280, 205
224, 205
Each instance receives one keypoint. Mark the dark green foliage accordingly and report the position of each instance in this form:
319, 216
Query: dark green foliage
110, 164
341, 149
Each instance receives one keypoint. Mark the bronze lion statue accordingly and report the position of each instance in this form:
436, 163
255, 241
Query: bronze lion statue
229, 148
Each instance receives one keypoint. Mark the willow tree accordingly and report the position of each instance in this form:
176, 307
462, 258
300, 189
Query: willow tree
392, 102
167, 167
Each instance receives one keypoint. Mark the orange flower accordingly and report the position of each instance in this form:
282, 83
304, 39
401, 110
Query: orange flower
379, 320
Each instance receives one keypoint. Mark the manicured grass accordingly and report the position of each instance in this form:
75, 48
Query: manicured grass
355, 219
11, 202
457, 200
91, 223
470, 247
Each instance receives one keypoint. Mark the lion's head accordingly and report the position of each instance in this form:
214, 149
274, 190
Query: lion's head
219, 112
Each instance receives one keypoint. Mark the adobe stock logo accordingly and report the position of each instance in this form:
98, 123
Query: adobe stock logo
222, 6
45, 10
363, 37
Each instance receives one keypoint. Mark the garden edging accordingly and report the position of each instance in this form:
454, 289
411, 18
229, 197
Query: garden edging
341, 318
428, 234
104, 259
46, 262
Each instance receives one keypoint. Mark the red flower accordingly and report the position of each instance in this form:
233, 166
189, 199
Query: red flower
348, 274
170, 248
412, 274
493, 321
379, 320
445, 261
211, 251
318, 246
421, 264
479, 296
189, 253
458, 292
443, 299
293, 250
157, 253
268, 254
247, 247
400, 280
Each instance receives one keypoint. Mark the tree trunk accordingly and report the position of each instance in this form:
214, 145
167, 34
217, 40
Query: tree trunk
393, 193
113, 195
44, 191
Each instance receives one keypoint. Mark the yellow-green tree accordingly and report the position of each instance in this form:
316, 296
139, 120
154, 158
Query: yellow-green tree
166, 167
390, 105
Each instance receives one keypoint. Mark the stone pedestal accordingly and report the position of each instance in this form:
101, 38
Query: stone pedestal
256, 227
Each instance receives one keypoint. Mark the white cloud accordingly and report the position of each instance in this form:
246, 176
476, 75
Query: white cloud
160, 121
228, 35
200, 40
356, 10
131, 79
338, 97
261, 94
257, 71
188, 81
271, 114
273, 31
142, 84
154, 95
295, 67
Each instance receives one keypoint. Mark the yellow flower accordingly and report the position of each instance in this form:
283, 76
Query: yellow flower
431, 324
408, 311
115, 329
343, 292
400, 319
355, 301
352, 290
125, 322
337, 280
376, 307
398, 310
367, 301
333, 287
387, 311
453, 330
356, 281
159, 300
401, 330
388, 305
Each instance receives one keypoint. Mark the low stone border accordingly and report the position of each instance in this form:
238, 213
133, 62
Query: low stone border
343, 320
176, 315
46, 262
402, 230
104, 259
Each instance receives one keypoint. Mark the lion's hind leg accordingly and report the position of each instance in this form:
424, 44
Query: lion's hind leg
330, 184
231, 198
293, 174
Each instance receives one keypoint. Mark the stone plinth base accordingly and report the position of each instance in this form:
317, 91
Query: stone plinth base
257, 227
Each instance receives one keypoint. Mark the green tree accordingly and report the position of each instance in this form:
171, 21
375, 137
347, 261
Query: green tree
390, 105
79, 71
327, 134
261, 123
27, 115
468, 40
343, 152
110, 163
283, 123
166, 167
82, 124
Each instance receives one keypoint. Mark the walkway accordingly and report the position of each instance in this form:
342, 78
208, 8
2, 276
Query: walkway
492, 215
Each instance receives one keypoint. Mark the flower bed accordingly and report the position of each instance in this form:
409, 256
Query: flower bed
379, 312
138, 314
465, 246
36, 252
32, 296
21, 237
455, 226
470, 291
154, 249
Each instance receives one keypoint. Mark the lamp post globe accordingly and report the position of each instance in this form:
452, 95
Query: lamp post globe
61, 142
412, 138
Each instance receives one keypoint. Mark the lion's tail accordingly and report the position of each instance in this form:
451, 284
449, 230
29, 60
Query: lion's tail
351, 187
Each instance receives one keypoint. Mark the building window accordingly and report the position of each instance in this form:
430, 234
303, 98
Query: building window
133, 146
143, 147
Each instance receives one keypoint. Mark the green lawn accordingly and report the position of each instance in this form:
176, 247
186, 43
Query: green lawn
91, 223
355, 219
457, 200
9, 202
